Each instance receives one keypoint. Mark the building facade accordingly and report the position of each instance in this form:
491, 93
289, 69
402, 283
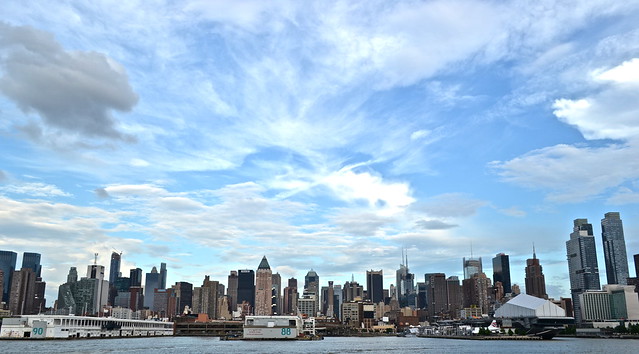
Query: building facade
535, 280
614, 248
263, 289
501, 271
582, 263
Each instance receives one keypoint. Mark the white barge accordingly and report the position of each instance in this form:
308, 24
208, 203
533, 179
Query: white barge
62, 326
278, 328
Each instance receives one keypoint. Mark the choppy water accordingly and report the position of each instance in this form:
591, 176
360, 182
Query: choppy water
184, 345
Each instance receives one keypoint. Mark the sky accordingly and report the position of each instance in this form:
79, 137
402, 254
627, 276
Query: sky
326, 135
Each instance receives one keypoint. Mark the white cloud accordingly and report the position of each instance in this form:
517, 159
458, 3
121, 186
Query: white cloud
450, 205
35, 189
387, 197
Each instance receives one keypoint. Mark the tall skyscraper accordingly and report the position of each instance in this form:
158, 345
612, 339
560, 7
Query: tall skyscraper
263, 289
312, 287
32, 260
8, 266
454, 296
114, 270
205, 299
614, 247
582, 263
501, 271
375, 285
246, 287
437, 296
135, 275
290, 297
184, 296
405, 280
535, 281
162, 275
151, 283
472, 266
231, 290
276, 280
22, 295
476, 293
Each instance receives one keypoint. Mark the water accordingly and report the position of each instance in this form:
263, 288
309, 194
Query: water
185, 345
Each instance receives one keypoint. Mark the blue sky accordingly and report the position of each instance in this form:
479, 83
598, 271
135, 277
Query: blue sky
324, 135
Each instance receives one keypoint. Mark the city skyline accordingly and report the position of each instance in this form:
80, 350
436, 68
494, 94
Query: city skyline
326, 136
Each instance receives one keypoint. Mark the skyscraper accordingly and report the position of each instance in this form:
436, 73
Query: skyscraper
472, 266
231, 290
8, 266
263, 289
22, 295
290, 297
246, 287
135, 275
501, 271
582, 263
614, 247
162, 275
276, 281
312, 287
32, 260
437, 297
375, 285
405, 280
151, 283
114, 270
184, 296
535, 281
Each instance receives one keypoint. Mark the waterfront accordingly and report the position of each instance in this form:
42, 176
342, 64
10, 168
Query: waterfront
328, 345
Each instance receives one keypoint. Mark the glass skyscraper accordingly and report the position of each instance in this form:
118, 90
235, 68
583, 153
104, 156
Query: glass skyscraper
7, 266
114, 271
32, 260
501, 271
582, 263
614, 246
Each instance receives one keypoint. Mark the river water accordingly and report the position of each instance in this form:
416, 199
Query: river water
185, 345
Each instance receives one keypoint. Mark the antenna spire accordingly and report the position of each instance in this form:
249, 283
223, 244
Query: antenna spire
534, 253
471, 249
95, 259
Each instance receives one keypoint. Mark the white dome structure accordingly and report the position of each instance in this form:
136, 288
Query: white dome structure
524, 305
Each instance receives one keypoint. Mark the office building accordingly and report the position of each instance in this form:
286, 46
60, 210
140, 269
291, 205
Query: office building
162, 275
246, 288
183, 292
614, 302
231, 290
205, 298
472, 266
375, 285
614, 248
114, 270
22, 295
263, 289
135, 276
353, 291
476, 292
312, 286
32, 260
151, 283
290, 297
437, 296
501, 271
7, 266
454, 296
276, 301
405, 282
582, 263
535, 281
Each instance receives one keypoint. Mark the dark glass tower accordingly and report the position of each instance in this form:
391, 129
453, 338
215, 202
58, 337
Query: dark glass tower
162, 276
375, 285
614, 247
151, 283
246, 286
114, 271
582, 263
501, 271
135, 275
32, 260
7, 266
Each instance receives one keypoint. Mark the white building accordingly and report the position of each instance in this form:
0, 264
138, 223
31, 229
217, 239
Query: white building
614, 302
524, 305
